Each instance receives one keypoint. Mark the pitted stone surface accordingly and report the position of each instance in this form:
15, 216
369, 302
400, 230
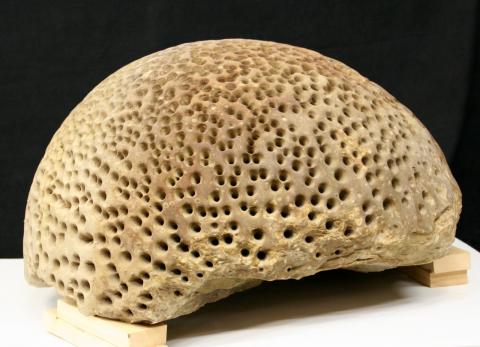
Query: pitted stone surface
206, 168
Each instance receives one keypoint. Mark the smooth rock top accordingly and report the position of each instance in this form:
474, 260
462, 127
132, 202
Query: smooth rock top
206, 168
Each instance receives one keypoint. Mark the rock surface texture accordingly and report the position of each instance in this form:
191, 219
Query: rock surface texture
206, 168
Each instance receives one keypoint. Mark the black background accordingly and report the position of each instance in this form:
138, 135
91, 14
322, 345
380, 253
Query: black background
426, 53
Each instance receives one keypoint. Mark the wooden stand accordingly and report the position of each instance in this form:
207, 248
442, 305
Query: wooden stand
89, 331
68, 323
451, 270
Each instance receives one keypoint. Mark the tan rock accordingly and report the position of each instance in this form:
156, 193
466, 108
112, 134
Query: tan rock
206, 168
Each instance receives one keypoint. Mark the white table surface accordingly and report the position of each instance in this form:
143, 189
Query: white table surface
334, 308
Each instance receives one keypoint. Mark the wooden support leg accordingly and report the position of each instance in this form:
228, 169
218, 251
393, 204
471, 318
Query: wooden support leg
449, 270
89, 331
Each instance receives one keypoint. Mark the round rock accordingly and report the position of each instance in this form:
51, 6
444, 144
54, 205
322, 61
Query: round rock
206, 168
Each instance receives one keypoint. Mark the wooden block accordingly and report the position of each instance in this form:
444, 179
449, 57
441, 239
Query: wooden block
434, 280
456, 260
448, 279
71, 334
71, 325
449, 270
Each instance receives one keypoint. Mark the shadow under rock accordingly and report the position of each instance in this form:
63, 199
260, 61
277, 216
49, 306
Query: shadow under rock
321, 294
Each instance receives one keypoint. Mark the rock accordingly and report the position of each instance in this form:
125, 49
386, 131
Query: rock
207, 168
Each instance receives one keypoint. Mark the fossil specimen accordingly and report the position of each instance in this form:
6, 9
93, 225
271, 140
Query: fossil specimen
206, 168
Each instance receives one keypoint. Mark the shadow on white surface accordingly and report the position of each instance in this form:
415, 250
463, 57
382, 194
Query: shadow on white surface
325, 295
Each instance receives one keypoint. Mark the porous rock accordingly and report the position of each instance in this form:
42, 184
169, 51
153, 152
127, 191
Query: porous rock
206, 168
